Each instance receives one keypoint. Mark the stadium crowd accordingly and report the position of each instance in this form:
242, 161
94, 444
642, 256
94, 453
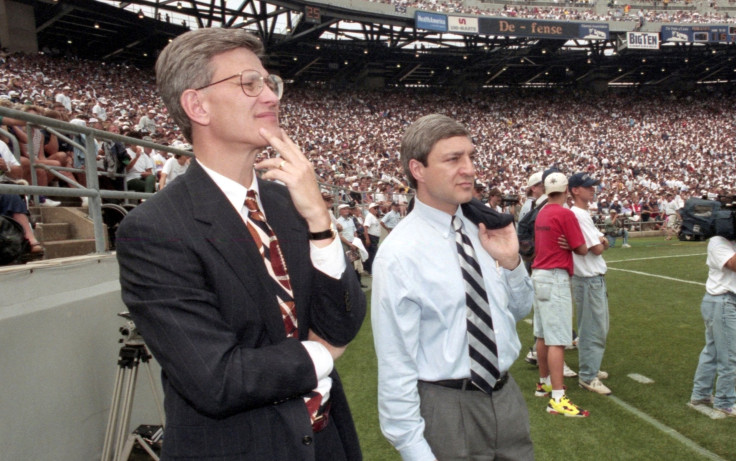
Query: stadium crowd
640, 146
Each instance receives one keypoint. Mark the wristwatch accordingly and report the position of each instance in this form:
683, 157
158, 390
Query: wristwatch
325, 234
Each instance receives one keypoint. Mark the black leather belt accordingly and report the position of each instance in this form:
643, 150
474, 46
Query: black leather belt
467, 384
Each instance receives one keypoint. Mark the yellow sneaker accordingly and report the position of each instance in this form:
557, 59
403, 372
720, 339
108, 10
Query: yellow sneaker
566, 407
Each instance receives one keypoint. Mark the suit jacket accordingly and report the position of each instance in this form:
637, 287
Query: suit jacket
200, 295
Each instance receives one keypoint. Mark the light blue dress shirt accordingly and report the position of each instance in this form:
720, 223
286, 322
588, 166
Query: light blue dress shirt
418, 317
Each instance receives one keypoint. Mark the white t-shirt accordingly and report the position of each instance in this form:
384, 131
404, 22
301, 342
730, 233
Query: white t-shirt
372, 225
591, 264
172, 169
8, 156
720, 280
144, 163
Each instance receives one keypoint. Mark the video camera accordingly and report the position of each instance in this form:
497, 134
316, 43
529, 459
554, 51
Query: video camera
509, 200
702, 219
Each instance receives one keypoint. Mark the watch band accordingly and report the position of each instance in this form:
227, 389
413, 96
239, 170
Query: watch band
323, 234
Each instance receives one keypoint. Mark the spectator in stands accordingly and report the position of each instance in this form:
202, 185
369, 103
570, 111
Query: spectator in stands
64, 99
173, 168
140, 175
14, 206
147, 124
718, 357
439, 403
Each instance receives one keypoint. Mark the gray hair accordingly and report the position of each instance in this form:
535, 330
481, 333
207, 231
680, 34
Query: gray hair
185, 63
422, 135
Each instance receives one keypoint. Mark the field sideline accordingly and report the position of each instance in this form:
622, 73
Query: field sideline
654, 290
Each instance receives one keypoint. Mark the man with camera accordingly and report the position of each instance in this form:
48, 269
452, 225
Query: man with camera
614, 228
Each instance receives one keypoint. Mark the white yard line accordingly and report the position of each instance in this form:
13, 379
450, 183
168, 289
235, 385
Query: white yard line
654, 257
640, 414
666, 430
658, 276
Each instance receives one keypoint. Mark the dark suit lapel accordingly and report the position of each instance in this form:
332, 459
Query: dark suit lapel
229, 237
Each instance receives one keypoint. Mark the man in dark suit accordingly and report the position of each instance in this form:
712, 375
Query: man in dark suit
238, 284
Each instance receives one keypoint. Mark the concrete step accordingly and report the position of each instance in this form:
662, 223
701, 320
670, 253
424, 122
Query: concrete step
53, 231
65, 248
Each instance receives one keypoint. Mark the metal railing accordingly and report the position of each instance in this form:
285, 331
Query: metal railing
89, 148
66, 132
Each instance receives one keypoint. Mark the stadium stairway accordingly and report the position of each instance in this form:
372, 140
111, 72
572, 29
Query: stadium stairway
64, 230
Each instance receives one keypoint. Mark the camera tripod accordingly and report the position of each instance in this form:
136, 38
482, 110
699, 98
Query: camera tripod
119, 441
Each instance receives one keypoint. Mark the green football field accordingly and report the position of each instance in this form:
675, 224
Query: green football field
656, 334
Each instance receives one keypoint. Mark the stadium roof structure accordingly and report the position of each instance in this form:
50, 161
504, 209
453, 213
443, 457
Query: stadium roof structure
379, 45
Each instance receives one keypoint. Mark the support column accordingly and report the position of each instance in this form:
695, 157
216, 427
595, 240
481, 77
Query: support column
17, 27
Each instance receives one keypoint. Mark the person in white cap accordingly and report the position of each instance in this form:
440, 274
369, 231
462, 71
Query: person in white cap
147, 124
64, 98
98, 110
552, 269
535, 185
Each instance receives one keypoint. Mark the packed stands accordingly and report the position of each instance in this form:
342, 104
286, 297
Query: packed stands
640, 145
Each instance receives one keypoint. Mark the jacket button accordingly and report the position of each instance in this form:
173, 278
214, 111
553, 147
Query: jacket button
307, 440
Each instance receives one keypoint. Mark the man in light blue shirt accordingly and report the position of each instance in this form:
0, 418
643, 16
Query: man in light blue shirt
429, 408
392, 218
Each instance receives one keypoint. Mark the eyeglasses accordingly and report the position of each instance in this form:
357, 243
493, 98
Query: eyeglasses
252, 83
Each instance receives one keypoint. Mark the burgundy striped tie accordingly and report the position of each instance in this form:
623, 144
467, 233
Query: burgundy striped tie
270, 249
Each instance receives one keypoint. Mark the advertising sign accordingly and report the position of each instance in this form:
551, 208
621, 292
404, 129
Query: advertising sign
543, 29
462, 25
642, 41
430, 21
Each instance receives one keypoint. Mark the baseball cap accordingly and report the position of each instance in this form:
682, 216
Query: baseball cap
372, 205
342, 206
534, 179
555, 182
549, 171
582, 180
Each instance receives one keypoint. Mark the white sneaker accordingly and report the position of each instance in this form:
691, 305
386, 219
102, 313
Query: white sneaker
49, 202
602, 374
595, 386
625, 245
567, 372
85, 201
531, 357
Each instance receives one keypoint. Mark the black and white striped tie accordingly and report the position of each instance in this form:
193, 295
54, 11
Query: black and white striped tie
481, 338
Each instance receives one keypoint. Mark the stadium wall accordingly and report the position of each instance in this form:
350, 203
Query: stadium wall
17, 27
59, 333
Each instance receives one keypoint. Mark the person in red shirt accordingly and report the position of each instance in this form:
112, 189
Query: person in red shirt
552, 269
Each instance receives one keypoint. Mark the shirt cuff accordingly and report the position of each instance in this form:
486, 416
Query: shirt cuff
329, 260
417, 452
517, 275
321, 358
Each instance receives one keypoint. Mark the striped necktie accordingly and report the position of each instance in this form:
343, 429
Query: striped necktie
270, 249
481, 338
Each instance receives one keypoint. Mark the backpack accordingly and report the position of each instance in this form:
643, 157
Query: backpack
525, 232
702, 219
